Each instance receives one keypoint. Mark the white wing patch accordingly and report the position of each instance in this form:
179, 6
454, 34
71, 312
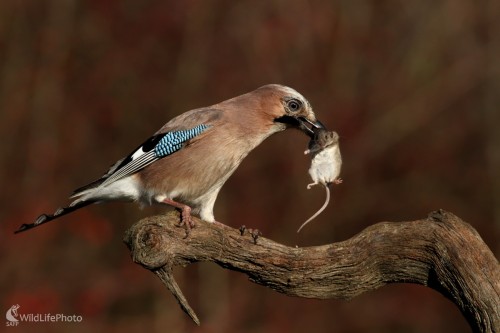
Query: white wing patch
140, 160
138, 153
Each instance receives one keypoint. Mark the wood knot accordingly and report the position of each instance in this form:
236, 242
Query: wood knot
150, 240
147, 247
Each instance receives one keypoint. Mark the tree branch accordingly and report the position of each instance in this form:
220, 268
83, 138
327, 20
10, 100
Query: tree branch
441, 252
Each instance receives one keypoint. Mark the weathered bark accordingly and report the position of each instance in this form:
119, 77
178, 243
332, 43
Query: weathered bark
440, 251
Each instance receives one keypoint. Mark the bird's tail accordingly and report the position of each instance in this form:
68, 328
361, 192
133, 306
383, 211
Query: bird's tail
44, 218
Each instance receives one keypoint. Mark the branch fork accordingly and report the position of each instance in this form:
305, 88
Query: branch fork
441, 252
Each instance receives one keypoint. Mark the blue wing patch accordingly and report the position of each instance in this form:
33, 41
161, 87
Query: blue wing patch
173, 141
153, 149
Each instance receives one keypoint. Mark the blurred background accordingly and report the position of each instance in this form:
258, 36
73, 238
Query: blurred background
412, 87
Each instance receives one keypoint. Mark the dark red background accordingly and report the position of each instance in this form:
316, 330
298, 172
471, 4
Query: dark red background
411, 87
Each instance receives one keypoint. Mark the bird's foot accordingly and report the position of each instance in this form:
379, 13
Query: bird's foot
186, 220
338, 181
243, 228
255, 233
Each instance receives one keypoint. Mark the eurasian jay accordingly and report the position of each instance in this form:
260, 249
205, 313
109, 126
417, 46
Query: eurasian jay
187, 161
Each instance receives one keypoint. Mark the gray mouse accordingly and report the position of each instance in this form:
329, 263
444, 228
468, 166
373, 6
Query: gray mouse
325, 164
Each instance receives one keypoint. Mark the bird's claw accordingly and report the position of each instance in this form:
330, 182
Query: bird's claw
255, 233
186, 220
243, 228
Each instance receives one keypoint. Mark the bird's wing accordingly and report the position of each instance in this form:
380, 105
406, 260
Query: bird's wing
173, 136
158, 146
190, 119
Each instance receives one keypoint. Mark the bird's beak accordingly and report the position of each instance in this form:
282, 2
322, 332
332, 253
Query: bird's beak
308, 126
304, 124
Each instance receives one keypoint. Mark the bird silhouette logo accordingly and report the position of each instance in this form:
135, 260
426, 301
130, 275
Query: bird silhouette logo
12, 314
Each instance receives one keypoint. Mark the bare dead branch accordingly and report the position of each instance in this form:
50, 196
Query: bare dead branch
441, 252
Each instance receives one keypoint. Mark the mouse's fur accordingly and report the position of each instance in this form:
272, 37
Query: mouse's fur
325, 164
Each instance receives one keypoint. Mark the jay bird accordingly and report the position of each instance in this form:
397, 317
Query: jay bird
187, 161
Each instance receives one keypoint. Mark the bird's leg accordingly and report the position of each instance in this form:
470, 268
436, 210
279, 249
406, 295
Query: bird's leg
186, 219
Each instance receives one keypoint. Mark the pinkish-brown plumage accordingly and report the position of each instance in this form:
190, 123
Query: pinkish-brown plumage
191, 176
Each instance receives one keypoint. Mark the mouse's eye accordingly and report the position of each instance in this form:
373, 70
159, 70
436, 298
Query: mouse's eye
294, 104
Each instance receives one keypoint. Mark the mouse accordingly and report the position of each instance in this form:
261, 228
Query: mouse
326, 163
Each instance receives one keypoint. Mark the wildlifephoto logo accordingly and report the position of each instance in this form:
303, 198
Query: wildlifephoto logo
14, 317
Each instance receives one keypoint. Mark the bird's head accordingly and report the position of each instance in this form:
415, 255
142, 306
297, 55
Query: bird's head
288, 109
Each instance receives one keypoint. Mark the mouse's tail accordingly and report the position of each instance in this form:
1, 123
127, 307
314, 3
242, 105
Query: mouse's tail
319, 211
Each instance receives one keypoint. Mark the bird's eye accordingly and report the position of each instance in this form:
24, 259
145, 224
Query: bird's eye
294, 104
